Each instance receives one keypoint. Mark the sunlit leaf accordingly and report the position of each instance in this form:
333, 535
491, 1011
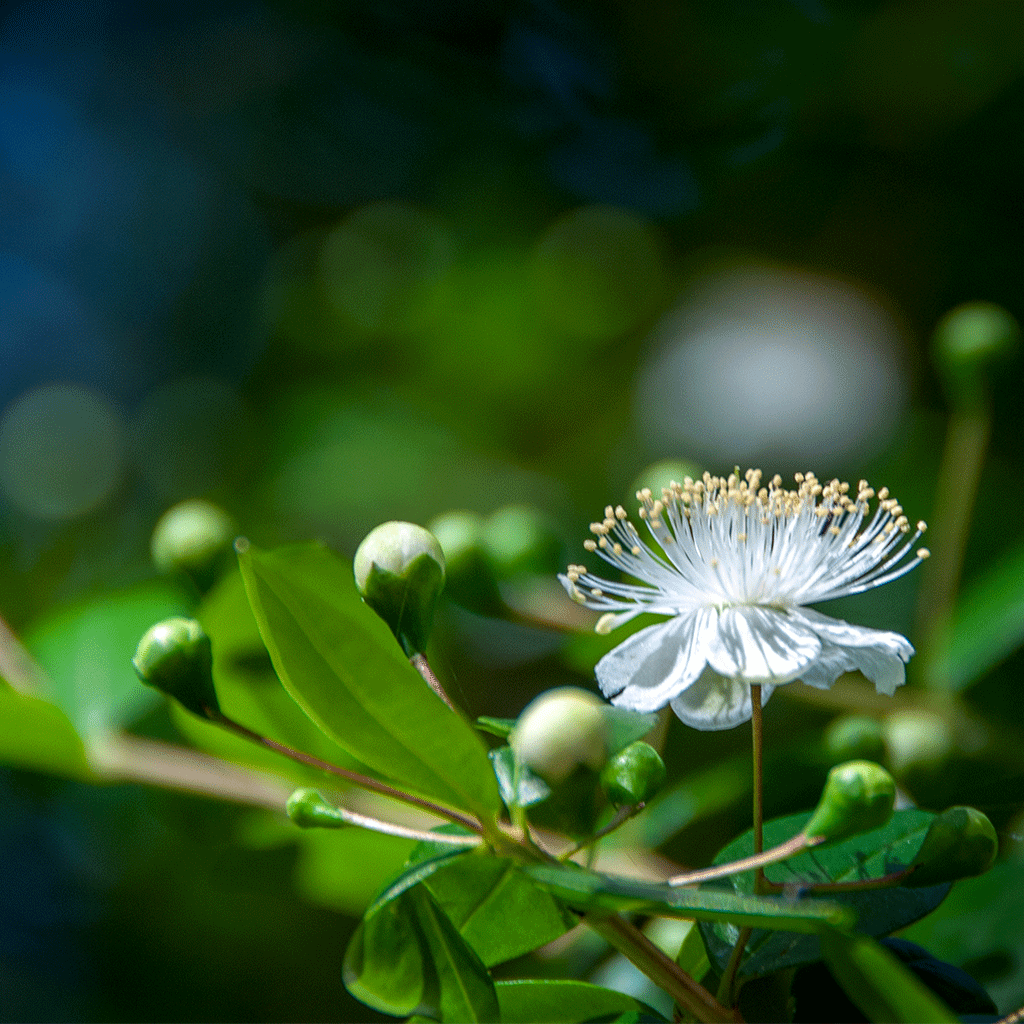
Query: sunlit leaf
880, 984
871, 855
37, 735
482, 896
466, 989
343, 667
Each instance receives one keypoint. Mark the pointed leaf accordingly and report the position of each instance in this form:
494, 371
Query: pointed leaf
558, 1001
36, 734
384, 965
466, 989
871, 855
519, 786
343, 667
588, 890
880, 984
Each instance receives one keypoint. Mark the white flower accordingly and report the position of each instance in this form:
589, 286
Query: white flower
738, 563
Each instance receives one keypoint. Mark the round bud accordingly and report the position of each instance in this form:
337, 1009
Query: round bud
399, 570
559, 731
960, 843
308, 809
968, 341
193, 537
854, 737
918, 742
858, 797
176, 658
518, 540
633, 775
469, 575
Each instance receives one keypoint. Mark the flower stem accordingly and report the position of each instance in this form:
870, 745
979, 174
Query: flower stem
757, 731
661, 969
420, 663
963, 455
790, 848
356, 778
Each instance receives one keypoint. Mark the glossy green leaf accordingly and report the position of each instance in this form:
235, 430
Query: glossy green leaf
561, 1001
466, 989
883, 988
385, 964
36, 734
988, 624
871, 855
496, 908
343, 667
588, 890
250, 692
86, 651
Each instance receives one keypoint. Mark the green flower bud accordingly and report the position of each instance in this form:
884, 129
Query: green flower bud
175, 657
858, 797
854, 737
520, 540
968, 342
193, 537
308, 809
399, 570
560, 731
960, 843
469, 576
633, 775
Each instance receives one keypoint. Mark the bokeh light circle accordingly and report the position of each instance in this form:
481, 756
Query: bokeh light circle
62, 451
769, 365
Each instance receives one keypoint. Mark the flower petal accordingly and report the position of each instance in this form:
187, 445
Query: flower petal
762, 645
827, 667
714, 702
657, 663
877, 653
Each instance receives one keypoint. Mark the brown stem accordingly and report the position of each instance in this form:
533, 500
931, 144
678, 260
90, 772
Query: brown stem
354, 777
661, 969
789, 848
861, 885
420, 663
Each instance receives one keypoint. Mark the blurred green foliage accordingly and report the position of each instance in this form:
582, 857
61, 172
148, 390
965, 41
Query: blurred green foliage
328, 265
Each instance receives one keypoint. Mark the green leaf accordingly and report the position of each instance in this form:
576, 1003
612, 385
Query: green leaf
466, 989
560, 1001
519, 786
496, 908
883, 988
343, 667
988, 625
500, 727
86, 650
587, 890
250, 692
385, 963
36, 734
870, 855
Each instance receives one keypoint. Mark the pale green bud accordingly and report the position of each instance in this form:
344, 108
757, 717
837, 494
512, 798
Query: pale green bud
176, 658
960, 843
400, 570
633, 775
968, 342
520, 540
854, 737
193, 537
308, 809
560, 731
469, 575
858, 797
